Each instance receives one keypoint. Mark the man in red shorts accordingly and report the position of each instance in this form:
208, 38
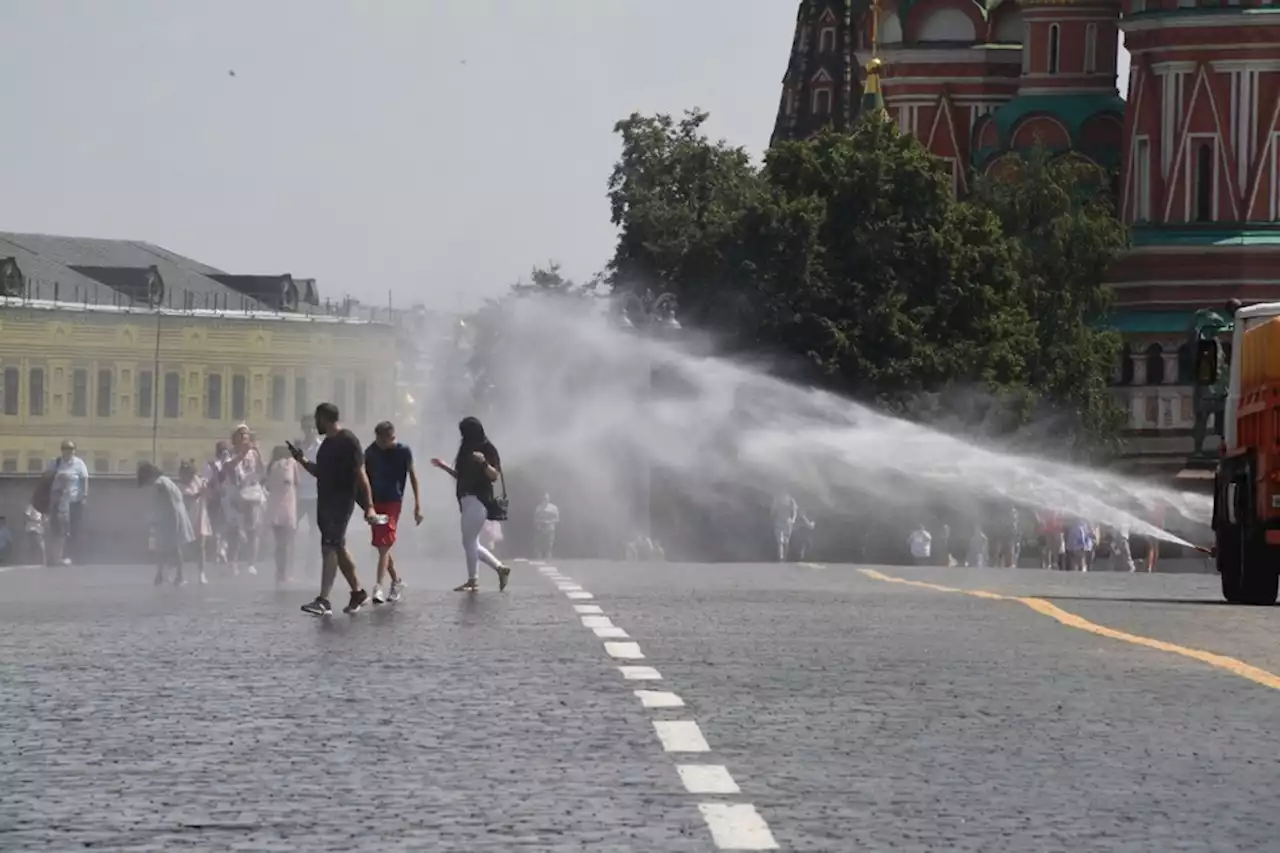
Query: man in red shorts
388, 464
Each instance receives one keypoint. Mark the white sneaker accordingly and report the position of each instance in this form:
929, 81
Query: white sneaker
378, 597
203, 580
397, 590
252, 570
66, 561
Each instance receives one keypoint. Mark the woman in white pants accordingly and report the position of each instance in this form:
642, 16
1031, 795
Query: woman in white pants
476, 468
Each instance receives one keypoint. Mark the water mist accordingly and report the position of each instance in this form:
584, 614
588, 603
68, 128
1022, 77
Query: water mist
597, 411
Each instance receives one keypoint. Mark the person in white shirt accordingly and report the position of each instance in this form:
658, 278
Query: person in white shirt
545, 519
921, 544
67, 499
785, 511
1120, 551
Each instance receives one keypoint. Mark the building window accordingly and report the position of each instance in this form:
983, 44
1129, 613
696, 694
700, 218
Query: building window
1142, 179
827, 40
213, 396
821, 102
11, 390
104, 393
1155, 366
1053, 48
1204, 183
79, 392
35, 465
9, 465
1186, 365
1026, 48
1139, 6
301, 405
102, 464
239, 390
1090, 48
172, 394
362, 400
146, 393
35, 391
340, 394
1126, 365
278, 392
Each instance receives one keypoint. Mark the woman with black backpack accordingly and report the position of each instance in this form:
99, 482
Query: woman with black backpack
476, 468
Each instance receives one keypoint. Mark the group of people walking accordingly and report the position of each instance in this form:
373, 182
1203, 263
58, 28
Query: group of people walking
224, 508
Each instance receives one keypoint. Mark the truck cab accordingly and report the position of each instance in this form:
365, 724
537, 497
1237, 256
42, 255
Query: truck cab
1246, 494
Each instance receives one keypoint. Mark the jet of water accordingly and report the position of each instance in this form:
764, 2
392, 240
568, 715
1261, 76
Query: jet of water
605, 404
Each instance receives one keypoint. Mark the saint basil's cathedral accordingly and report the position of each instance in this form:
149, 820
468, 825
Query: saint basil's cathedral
1195, 143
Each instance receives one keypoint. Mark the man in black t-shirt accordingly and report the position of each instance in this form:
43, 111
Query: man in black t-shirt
341, 483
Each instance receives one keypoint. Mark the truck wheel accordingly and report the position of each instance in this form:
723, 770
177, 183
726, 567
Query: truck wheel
1258, 578
1261, 587
1231, 584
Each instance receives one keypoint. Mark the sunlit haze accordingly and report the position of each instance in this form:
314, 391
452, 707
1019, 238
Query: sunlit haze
435, 150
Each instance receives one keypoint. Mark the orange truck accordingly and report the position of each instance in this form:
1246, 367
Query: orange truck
1246, 494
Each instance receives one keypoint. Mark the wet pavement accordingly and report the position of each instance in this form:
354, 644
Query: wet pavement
845, 713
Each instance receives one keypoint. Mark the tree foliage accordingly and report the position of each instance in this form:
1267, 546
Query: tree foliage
851, 254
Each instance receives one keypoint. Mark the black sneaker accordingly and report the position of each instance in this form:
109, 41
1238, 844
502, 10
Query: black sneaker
319, 607
358, 598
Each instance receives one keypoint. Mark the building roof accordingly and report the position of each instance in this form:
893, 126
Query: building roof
78, 269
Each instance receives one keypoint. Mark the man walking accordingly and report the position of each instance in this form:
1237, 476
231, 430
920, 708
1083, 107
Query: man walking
341, 482
388, 463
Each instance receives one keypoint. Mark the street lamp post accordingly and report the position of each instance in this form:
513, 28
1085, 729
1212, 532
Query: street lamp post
654, 318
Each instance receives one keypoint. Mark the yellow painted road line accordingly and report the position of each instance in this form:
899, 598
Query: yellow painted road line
1228, 664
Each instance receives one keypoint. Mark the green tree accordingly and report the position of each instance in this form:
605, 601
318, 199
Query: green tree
1060, 216
851, 254
676, 198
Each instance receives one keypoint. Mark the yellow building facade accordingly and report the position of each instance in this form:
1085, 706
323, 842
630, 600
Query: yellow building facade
129, 385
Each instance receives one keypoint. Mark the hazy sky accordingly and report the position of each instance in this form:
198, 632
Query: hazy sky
436, 148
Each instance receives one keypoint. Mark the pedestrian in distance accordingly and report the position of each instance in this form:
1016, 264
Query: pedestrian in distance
920, 542
171, 531
388, 464
283, 476
546, 517
341, 483
194, 490
475, 469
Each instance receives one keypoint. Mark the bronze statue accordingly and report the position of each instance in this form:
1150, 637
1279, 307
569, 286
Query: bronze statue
1212, 374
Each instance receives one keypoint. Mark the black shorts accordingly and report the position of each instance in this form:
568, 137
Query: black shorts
332, 518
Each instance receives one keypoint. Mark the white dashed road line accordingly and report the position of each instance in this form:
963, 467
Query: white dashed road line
707, 779
626, 651
680, 736
659, 699
733, 826
737, 826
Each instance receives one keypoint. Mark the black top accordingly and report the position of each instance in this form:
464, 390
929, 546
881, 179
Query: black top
472, 479
338, 465
387, 469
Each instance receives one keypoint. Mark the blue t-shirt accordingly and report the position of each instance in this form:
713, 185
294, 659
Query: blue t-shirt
388, 469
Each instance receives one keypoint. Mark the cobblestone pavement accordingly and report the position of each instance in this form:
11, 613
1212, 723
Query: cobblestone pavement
863, 715
852, 713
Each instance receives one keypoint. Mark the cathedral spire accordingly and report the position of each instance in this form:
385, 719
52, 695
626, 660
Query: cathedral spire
872, 97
